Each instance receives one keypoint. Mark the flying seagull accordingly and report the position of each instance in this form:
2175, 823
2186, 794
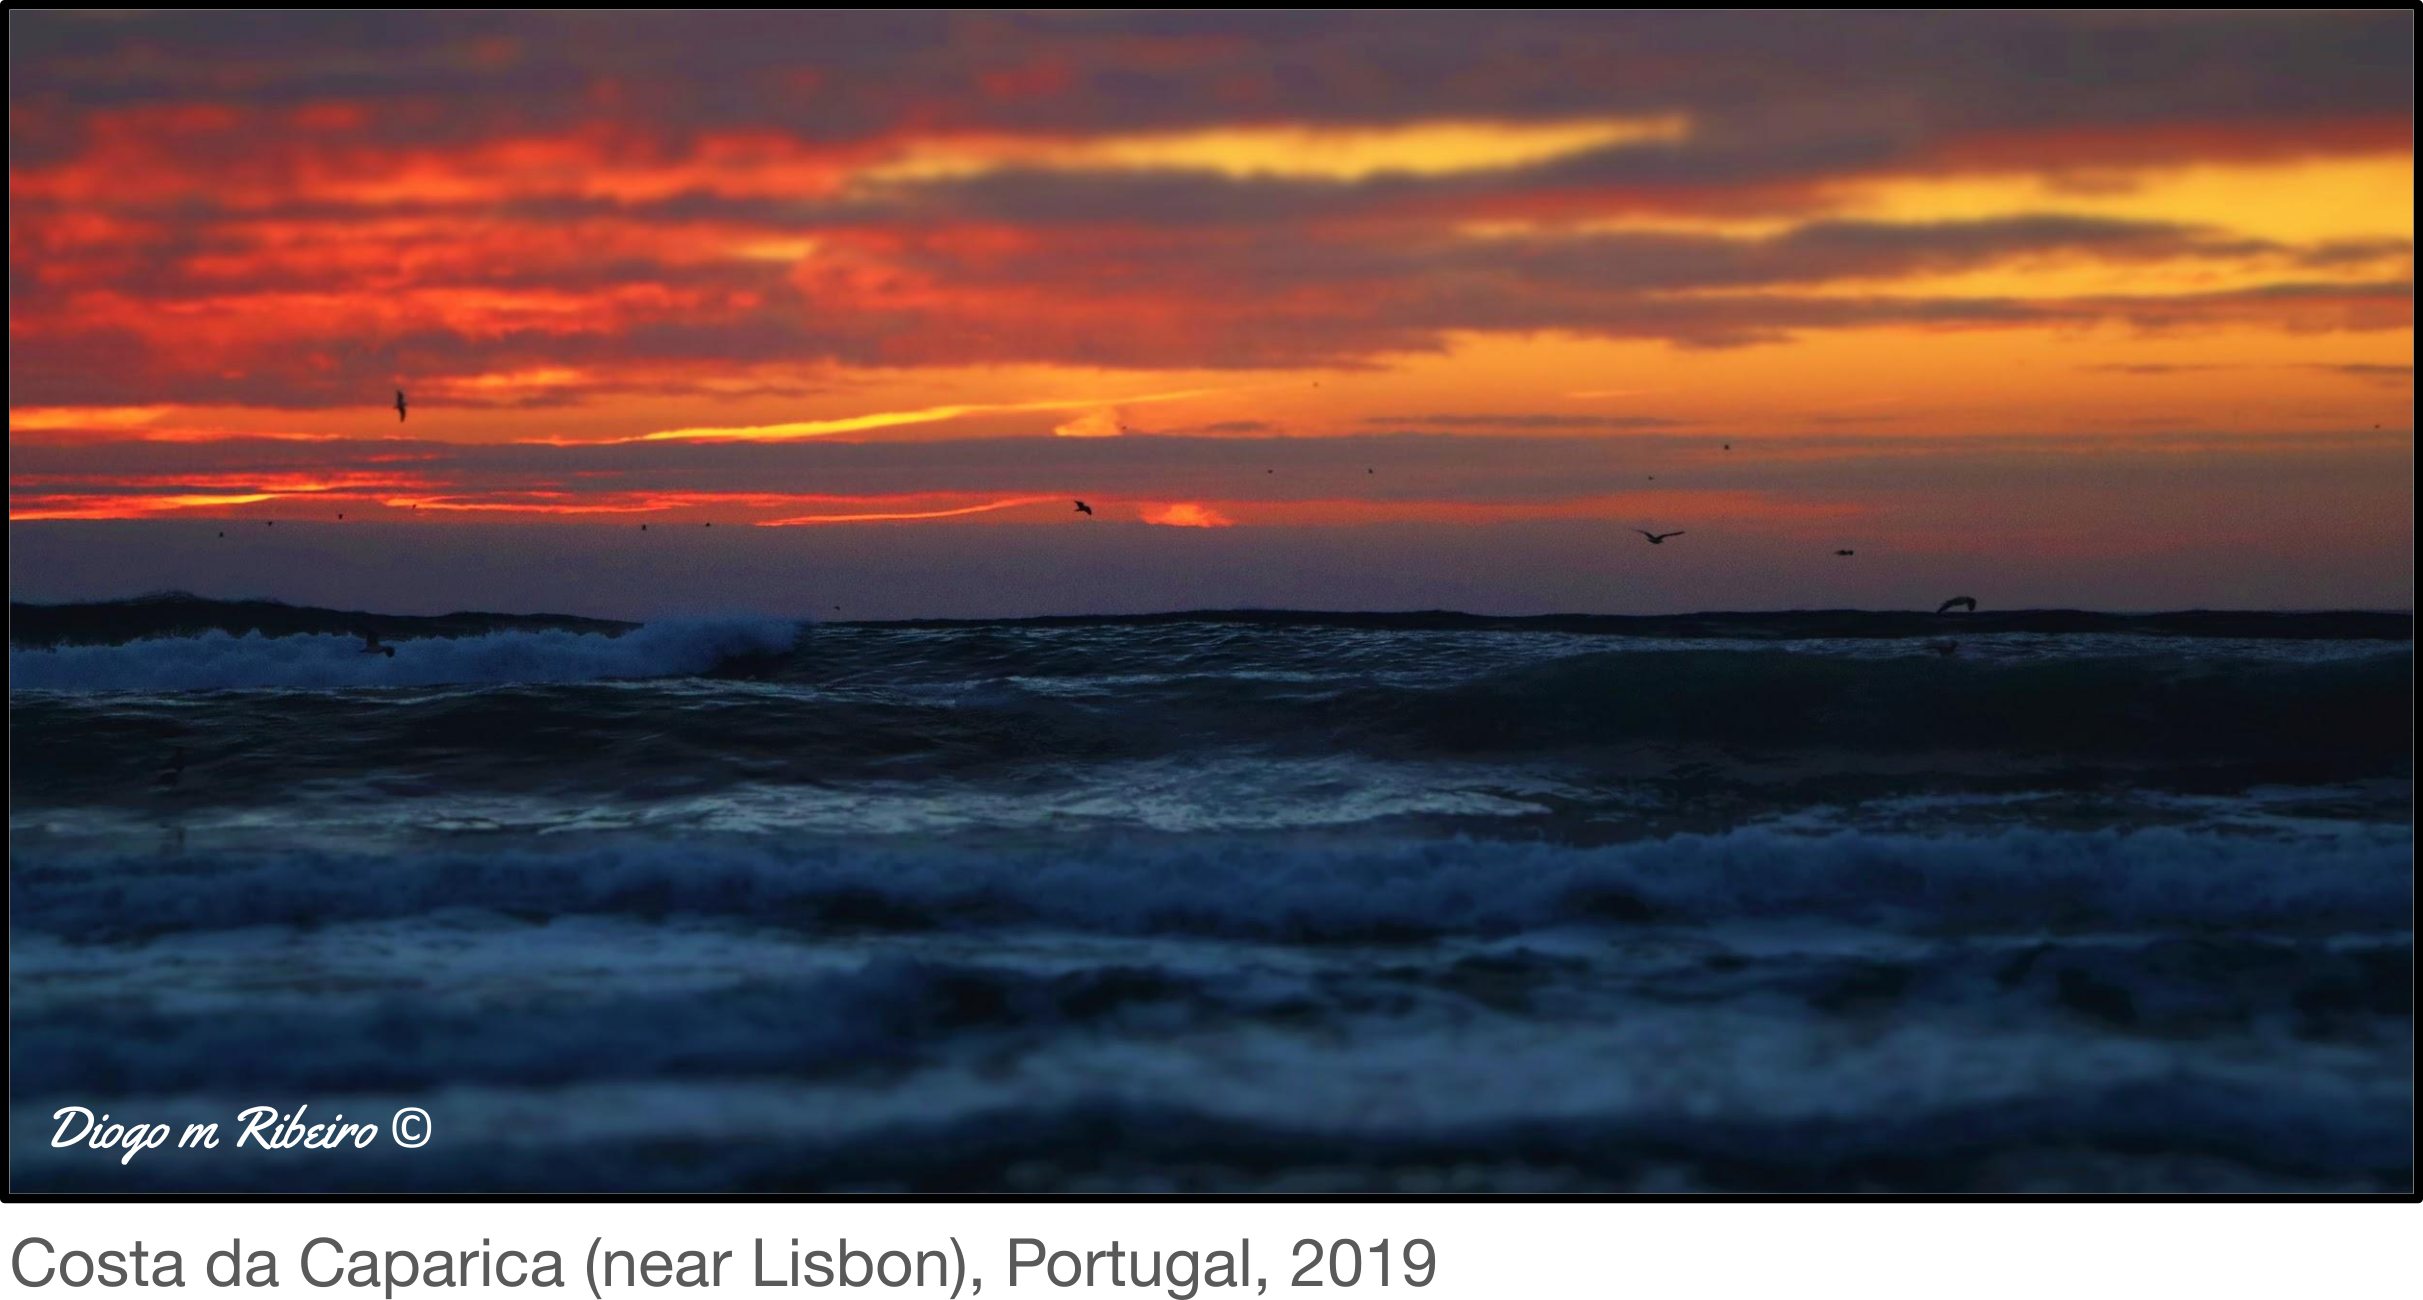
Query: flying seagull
399, 406
1657, 539
1845, 552
1967, 602
1084, 509
371, 646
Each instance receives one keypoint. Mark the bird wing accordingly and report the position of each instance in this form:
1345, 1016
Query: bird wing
1676, 533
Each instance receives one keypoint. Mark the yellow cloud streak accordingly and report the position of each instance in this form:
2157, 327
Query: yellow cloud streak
891, 419
1434, 148
29, 418
904, 514
101, 507
2306, 201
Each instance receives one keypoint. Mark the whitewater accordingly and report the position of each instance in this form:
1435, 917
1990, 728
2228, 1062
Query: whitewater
1244, 901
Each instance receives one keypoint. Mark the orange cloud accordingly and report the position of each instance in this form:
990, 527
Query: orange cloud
1185, 514
1103, 422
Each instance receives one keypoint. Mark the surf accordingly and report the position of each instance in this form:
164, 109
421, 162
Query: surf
216, 660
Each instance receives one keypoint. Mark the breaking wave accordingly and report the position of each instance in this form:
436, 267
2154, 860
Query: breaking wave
1259, 888
218, 661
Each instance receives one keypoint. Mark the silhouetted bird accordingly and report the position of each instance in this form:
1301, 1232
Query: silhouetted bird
1084, 509
371, 646
1947, 649
174, 772
340, 514
643, 528
271, 523
399, 406
1657, 539
1967, 602
1843, 552
222, 532
1728, 446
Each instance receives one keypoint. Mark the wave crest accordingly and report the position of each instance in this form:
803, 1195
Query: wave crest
218, 661
1247, 887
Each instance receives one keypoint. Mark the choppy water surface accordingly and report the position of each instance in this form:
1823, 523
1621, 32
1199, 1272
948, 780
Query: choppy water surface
1341, 903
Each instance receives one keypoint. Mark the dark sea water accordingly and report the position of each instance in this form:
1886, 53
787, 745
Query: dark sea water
1253, 902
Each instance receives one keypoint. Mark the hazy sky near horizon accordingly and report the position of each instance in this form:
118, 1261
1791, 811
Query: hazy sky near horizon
1358, 310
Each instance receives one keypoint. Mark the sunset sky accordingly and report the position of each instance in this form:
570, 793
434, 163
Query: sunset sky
1368, 309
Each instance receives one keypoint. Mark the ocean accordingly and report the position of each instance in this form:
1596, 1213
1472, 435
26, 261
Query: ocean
1247, 901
